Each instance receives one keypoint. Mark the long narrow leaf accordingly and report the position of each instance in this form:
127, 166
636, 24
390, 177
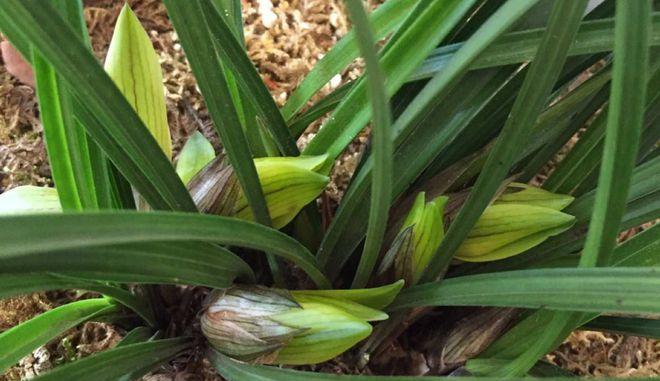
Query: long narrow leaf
434, 21
583, 289
381, 188
171, 263
620, 152
234, 56
22, 339
132, 149
626, 326
382, 21
593, 37
72, 231
543, 73
50, 111
233, 370
115, 363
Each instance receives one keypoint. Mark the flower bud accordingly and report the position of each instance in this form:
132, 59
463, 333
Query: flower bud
289, 183
133, 65
517, 193
215, 188
194, 156
272, 326
506, 229
422, 232
30, 199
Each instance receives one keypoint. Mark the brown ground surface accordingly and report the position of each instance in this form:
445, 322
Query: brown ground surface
284, 41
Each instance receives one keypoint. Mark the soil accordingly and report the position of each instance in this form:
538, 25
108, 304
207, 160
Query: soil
284, 39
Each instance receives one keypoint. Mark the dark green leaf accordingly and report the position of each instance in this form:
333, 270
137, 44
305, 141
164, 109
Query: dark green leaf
626, 326
381, 188
77, 231
133, 150
115, 363
22, 339
582, 289
433, 21
542, 75
592, 37
382, 21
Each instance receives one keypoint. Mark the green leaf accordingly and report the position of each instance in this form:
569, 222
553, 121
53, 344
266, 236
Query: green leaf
299, 124
433, 21
460, 107
382, 21
377, 298
234, 370
155, 262
21, 340
66, 142
203, 51
133, 65
121, 133
629, 326
136, 335
115, 363
73, 231
641, 250
624, 124
234, 56
50, 110
594, 36
24, 283
533, 96
416, 154
195, 154
622, 290
381, 146
30, 199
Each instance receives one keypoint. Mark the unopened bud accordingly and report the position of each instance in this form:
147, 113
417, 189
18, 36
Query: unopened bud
133, 65
515, 223
272, 326
420, 236
29, 199
288, 183
517, 193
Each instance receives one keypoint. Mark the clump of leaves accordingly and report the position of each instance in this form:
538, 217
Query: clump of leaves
468, 99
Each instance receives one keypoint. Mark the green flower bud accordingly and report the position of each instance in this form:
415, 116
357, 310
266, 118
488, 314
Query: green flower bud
194, 156
289, 183
133, 65
30, 199
272, 326
421, 233
517, 193
507, 229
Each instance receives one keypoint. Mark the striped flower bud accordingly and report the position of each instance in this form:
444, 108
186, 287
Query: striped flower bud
520, 219
272, 326
517, 193
421, 234
289, 183
133, 65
